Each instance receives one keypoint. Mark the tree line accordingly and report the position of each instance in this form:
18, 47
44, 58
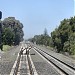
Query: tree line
12, 33
43, 39
62, 38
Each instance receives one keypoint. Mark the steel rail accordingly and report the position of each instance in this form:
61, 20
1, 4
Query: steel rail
31, 70
67, 69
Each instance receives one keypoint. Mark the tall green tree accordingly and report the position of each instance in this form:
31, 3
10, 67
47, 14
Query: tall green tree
14, 26
64, 35
8, 36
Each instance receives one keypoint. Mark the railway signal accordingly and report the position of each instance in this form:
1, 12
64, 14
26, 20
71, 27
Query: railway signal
0, 14
1, 45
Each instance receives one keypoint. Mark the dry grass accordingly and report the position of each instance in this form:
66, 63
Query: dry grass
6, 47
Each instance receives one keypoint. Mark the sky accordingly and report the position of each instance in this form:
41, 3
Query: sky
74, 7
36, 15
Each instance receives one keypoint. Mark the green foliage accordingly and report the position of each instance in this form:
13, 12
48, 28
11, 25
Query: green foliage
43, 39
64, 36
45, 32
12, 31
17, 39
8, 36
6, 47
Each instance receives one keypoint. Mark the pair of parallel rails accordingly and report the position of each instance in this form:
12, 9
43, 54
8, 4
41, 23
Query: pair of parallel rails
63, 67
30, 65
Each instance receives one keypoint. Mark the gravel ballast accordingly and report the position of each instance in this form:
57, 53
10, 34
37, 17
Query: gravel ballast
7, 60
42, 67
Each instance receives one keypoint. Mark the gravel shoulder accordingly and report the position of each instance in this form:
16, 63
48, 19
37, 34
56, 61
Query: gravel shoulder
7, 60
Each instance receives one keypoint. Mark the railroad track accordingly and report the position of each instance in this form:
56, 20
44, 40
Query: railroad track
62, 66
23, 60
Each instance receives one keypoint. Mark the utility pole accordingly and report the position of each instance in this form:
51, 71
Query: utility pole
1, 45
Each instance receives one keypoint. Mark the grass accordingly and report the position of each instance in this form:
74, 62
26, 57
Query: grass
73, 56
48, 47
6, 47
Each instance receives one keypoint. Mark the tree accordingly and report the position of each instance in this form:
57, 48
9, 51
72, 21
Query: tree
17, 39
63, 36
14, 26
45, 32
42, 39
8, 36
